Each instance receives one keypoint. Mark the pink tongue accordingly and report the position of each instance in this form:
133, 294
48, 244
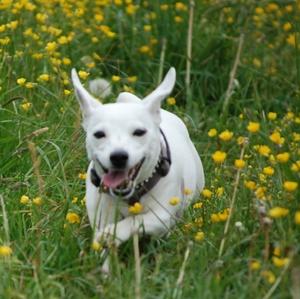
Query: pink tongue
114, 178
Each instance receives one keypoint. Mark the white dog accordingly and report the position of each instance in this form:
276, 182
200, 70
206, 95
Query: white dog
138, 153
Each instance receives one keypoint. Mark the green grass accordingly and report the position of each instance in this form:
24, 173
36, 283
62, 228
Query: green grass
52, 258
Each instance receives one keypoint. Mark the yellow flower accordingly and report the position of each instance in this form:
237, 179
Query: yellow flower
219, 191
37, 201
82, 176
136, 208
72, 218
272, 115
97, 246
75, 199
83, 75
223, 215
43, 77
259, 11
264, 150
171, 101
253, 127
24, 200
291, 40
174, 201
180, 6
287, 26
276, 138
187, 191
239, 163
21, 81
256, 62
241, 140
199, 236
225, 135
178, 19
147, 28
26, 105
66, 61
30, 85
268, 170
269, 276
115, 78
63, 40
197, 205
278, 212
214, 218
67, 92
296, 166
297, 217
283, 157
132, 79
206, 193
5, 250
290, 186
254, 265
280, 262
250, 185
144, 49
277, 251
219, 157
260, 193
212, 132
51, 47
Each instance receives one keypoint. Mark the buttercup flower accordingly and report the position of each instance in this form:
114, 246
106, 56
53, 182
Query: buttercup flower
239, 163
72, 218
276, 138
136, 208
254, 265
268, 170
253, 127
206, 193
5, 250
272, 115
174, 201
290, 186
37, 201
97, 246
24, 200
212, 132
297, 217
199, 236
171, 101
226, 135
278, 212
283, 157
280, 262
219, 157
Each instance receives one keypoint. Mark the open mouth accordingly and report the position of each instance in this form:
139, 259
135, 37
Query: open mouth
121, 181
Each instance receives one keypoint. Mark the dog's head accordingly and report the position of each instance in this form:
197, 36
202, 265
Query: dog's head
123, 138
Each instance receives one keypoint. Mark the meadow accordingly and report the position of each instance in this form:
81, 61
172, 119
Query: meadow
237, 90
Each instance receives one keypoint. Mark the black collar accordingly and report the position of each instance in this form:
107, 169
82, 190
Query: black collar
161, 170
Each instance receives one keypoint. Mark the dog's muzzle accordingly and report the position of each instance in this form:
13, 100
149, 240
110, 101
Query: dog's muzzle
120, 182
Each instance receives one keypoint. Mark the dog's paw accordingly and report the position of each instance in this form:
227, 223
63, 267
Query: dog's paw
107, 235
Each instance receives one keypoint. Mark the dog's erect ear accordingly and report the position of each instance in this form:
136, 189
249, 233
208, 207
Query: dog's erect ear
87, 102
127, 97
154, 99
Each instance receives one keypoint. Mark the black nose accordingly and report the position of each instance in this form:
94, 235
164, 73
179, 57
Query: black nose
119, 158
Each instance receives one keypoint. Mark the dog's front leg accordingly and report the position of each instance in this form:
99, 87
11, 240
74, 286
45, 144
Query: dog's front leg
150, 223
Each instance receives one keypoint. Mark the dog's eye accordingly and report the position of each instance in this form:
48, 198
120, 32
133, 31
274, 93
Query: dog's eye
99, 134
139, 132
